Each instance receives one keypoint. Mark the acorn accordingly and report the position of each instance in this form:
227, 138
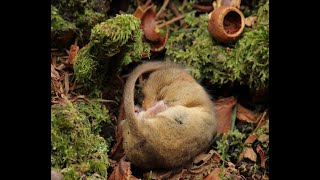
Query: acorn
226, 23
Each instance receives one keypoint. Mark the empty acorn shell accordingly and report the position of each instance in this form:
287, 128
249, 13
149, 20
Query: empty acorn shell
226, 24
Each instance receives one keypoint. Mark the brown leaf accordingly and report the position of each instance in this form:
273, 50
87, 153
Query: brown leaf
251, 138
214, 175
54, 73
249, 153
149, 25
202, 165
246, 115
224, 113
263, 138
262, 156
249, 21
203, 158
147, 15
72, 53
122, 171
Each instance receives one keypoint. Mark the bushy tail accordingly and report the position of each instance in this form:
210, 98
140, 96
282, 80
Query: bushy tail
128, 93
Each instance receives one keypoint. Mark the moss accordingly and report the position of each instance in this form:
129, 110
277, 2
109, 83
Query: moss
77, 149
84, 14
245, 62
58, 23
113, 43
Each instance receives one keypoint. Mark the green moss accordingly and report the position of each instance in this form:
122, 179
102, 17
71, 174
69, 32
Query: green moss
250, 58
113, 43
58, 23
109, 37
246, 62
77, 149
84, 14
85, 67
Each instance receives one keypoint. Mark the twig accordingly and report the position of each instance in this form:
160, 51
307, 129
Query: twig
105, 100
202, 8
171, 21
184, 4
66, 82
175, 11
163, 7
147, 4
260, 121
139, 2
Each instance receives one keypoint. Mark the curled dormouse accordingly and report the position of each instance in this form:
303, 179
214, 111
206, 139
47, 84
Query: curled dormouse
177, 122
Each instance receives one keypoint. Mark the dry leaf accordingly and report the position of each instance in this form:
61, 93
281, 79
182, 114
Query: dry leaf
202, 165
147, 15
72, 53
251, 138
263, 138
54, 73
202, 158
249, 21
246, 115
262, 156
224, 113
214, 175
249, 153
122, 171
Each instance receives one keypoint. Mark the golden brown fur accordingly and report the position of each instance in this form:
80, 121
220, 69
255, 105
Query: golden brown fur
178, 122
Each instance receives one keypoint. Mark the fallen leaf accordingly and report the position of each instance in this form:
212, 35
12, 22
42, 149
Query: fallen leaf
202, 158
224, 113
245, 114
214, 175
201, 167
149, 25
54, 73
72, 53
249, 21
263, 138
249, 153
262, 156
122, 171
252, 137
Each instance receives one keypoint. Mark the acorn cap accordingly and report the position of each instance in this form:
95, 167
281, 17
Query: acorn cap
226, 23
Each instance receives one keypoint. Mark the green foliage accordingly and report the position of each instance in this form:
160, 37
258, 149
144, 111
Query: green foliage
110, 37
77, 149
58, 23
232, 139
119, 37
262, 130
84, 14
263, 15
85, 66
247, 61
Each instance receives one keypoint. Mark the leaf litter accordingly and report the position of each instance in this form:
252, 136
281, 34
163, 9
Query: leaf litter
252, 162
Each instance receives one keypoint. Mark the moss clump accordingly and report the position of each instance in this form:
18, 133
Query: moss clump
77, 149
110, 37
246, 62
115, 42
